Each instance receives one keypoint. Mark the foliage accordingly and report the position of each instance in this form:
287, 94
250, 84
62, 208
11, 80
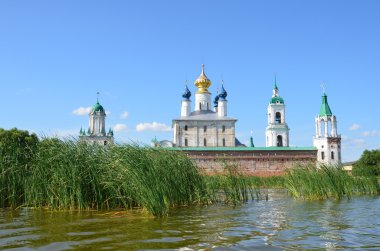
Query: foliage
325, 182
368, 164
17, 149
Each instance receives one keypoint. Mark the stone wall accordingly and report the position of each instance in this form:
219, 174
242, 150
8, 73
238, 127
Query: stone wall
251, 162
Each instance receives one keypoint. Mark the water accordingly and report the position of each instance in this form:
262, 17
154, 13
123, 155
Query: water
280, 223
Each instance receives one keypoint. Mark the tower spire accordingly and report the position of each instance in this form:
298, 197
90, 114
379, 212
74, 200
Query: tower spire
275, 82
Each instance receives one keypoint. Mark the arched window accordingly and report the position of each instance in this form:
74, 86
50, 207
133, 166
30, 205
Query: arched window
278, 117
208, 107
323, 155
223, 128
200, 106
332, 155
322, 125
279, 141
224, 142
205, 129
204, 142
185, 141
185, 127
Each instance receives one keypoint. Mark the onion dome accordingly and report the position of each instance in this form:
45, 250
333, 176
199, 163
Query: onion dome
202, 82
325, 108
186, 94
97, 108
216, 101
223, 93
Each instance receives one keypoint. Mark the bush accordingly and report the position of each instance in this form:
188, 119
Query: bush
368, 164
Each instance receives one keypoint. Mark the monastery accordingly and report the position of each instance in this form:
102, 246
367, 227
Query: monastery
207, 134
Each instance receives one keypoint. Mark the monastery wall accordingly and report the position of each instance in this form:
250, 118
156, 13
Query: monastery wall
251, 162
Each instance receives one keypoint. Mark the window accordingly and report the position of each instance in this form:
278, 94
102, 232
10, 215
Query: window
105, 142
278, 117
323, 155
205, 129
186, 142
223, 128
279, 141
332, 155
204, 142
185, 127
208, 107
224, 142
200, 106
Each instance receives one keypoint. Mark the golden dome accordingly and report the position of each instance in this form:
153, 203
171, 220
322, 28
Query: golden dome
202, 82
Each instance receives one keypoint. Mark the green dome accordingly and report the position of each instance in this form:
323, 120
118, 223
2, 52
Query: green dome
277, 100
97, 108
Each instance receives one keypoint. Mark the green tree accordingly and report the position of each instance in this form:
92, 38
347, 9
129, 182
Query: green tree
368, 164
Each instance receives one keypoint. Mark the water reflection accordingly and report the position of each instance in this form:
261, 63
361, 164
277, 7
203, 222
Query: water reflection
277, 224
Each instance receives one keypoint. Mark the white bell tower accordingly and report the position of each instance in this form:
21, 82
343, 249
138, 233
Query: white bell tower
277, 131
326, 138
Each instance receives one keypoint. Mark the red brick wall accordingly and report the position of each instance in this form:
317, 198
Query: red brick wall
252, 162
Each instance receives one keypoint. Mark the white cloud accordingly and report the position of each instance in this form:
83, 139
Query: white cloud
82, 111
120, 128
158, 127
124, 115
354, 127
108, 113
373, 133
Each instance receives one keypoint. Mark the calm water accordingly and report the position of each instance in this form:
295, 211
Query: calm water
280, 223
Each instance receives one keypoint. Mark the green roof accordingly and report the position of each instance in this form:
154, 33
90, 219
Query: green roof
97, 107
325, 108
276, 100
274, 148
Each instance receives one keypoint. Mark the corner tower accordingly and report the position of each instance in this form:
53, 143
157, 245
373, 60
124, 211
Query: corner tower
277, 131
326, 138
96, 132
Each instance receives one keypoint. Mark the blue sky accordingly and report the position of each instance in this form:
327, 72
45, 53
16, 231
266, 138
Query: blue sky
56, 55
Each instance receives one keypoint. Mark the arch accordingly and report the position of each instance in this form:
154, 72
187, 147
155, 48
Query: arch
322, 155
224, 142
186, 143
279, 141
204, 142
332, 155
322, 127
278, 118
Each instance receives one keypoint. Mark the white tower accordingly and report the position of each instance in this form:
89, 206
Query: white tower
96, 132
326, 139
277, 131
186, 102
202, 96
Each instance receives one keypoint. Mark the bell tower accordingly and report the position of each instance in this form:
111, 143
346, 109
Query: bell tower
326, 139
277, 131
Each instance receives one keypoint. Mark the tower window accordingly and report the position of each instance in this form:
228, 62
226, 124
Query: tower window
278, 117
186, 142
323, 155
204, 142
332, 155
224, 142
185, 127
279, 141
205, 129
223, 128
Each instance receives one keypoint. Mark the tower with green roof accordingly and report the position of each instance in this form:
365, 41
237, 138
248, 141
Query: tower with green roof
277, 131
96, 132
326, 139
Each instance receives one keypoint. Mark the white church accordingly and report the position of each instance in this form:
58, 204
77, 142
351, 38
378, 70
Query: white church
211, 129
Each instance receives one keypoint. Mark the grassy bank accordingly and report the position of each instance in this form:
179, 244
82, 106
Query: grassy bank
68, 175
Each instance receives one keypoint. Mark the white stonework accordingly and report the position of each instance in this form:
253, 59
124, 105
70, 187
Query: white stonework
277, 131
96, 133
204, 127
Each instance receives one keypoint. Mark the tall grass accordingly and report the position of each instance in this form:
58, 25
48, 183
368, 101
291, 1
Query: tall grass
327, 182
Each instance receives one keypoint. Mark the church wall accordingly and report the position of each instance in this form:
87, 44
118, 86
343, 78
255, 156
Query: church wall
251, 162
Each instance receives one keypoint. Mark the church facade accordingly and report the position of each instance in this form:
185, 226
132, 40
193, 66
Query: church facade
204, 127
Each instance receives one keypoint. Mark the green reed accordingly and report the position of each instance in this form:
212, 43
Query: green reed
312, 182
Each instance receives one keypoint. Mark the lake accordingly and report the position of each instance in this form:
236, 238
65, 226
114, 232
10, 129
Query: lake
279, 223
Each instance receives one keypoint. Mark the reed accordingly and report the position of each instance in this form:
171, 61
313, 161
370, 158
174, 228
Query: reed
311, 182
